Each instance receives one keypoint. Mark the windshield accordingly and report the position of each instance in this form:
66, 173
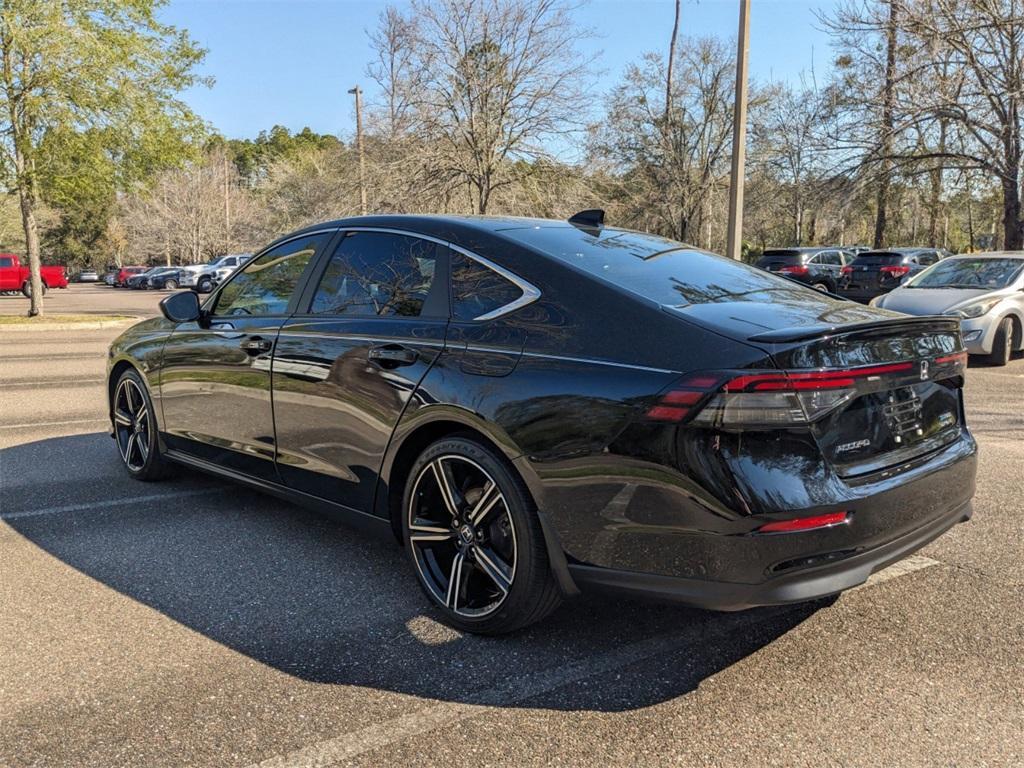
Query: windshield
773, 257
661, 270
969, 273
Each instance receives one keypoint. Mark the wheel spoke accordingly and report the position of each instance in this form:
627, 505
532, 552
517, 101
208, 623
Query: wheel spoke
122, 417
495, 568
446, 485
128, 449
488, 500
454, 580
142, 445
427, 533
129, 401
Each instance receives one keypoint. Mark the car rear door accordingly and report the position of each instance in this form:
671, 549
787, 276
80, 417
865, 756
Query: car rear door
371, 325
215, 380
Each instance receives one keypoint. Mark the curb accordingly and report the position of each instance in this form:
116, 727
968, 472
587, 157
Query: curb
40, 327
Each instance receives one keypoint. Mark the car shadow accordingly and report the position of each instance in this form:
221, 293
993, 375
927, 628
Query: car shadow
316, 599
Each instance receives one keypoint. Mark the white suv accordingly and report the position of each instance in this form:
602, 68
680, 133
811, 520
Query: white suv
203, 277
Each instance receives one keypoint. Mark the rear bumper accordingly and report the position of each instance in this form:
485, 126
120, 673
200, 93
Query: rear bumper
863, 295
799, 586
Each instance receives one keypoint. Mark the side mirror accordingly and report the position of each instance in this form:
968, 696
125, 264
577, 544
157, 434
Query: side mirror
181, 307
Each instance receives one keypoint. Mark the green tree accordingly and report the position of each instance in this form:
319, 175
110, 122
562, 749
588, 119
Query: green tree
109, 65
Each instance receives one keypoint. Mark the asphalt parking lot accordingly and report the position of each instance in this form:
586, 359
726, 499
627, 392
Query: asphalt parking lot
194, 623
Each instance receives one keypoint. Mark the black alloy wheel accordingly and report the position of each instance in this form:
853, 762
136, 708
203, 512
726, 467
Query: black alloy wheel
135, 429
475, 540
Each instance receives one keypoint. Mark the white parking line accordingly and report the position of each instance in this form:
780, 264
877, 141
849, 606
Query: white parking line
85, 507
335, 751
901, 568
431, 717
29, 424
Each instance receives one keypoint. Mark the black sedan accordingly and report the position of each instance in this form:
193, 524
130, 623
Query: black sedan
535, 408
877, 272
166, 279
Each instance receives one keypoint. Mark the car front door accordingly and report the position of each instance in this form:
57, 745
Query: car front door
373, 322
215, 379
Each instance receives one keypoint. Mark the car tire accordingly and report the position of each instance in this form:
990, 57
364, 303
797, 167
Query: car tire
135, 429
204, 285
475, 540
823, 287
171, 285
1002, 344
26, 289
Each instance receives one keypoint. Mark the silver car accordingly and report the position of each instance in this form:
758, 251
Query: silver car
986, 291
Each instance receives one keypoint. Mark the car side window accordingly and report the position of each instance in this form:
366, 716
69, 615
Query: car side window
477, 290
377, 273
266, 284
6, 261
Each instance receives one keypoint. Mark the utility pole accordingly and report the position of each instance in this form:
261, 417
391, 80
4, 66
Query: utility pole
734, 241
358, 92
227, 205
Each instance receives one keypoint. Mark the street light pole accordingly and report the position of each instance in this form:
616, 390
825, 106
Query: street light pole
358, 92
734, 246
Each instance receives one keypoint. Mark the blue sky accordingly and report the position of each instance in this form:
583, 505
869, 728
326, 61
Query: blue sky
290, 62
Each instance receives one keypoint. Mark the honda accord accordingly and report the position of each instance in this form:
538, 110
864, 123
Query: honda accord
536, 408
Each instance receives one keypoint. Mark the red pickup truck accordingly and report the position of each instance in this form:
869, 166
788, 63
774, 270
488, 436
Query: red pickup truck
14, 276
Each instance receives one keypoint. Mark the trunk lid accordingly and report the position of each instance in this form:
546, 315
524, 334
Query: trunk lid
907, 408
910, 408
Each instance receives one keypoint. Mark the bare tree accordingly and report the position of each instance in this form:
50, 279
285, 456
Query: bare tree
496, 82
394, 71
670, 170
788, 142
985, 41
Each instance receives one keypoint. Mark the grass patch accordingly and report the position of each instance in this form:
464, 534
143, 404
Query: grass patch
42, 319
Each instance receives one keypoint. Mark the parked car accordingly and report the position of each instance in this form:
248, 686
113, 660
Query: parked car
165, 278
876, 272
223, 267
198, 277
985, 291
817, 267
732, 439
121, 280
14, 276
137, 281
88, 276
110, 277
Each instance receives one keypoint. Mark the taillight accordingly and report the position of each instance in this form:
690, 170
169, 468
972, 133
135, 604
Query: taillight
763, 399
793, 270
683, 398
846, 271
894, 271
767, 399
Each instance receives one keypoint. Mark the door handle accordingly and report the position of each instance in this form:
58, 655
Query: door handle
254, 345
392, 355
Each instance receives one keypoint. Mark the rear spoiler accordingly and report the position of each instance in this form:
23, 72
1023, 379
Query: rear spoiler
804, 332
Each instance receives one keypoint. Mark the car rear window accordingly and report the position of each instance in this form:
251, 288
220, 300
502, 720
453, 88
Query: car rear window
878, 259
664, 271
778, 256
